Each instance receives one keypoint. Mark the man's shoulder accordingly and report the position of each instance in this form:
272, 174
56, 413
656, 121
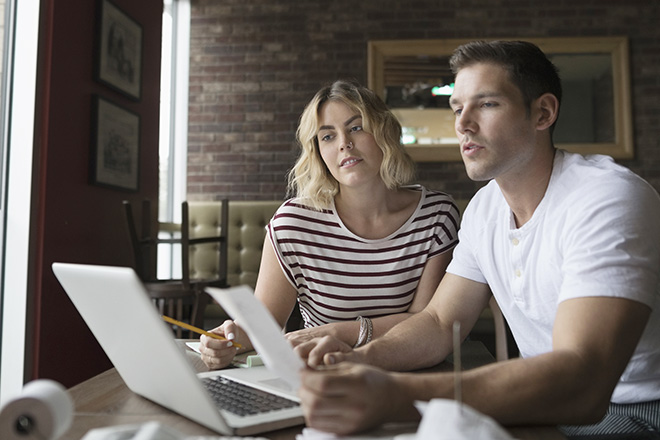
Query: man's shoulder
599, 176
487, 198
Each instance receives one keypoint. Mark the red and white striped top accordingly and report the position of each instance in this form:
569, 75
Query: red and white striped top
340, 276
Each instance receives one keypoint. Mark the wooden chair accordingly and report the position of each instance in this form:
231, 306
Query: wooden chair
182, 298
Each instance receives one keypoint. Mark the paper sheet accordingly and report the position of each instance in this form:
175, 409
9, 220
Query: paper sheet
389, 431
244, 360
266, 335
444, 419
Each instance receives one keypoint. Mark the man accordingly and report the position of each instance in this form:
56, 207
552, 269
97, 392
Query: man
568, 245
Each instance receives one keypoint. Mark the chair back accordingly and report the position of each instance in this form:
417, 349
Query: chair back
207, 239
142, 242
202, 260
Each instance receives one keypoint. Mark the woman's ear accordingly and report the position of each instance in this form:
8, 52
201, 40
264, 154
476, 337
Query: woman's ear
547, 106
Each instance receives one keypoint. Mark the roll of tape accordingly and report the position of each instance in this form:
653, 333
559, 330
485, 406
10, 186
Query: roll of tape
43, 411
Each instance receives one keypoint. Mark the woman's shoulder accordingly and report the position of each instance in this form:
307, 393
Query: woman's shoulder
300, 205
436, 201
298, 209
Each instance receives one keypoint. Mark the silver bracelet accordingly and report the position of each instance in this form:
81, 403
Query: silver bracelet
366, 331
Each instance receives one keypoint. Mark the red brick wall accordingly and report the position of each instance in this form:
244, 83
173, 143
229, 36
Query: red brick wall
256, 63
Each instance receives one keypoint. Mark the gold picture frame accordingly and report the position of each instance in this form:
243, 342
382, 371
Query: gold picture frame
604, 102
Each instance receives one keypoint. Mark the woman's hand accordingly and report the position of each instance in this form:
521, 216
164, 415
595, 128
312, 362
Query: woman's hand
327, 350
304, 335
217, 353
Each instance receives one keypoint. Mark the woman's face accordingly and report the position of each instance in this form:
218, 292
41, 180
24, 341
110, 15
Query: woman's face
351, 155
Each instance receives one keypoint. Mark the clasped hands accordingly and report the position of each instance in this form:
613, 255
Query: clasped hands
339, 393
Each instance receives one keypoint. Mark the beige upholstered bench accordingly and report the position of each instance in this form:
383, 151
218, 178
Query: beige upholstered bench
247, 223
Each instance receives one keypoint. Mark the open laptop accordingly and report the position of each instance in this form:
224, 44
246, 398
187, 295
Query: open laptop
116, 307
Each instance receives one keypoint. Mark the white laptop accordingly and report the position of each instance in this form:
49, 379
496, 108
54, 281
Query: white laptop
117, 309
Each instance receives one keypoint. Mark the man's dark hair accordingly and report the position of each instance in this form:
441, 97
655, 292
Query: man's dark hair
530, 70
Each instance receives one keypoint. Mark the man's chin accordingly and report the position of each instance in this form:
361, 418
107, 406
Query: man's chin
475, 173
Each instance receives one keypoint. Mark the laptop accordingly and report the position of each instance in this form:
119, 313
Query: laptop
116, 307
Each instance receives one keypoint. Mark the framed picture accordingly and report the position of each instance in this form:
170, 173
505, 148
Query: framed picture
115, 155
119, 51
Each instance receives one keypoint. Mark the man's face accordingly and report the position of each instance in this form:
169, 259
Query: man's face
495, 131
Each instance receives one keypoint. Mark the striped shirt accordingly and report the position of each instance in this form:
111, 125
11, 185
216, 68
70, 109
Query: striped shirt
340, 276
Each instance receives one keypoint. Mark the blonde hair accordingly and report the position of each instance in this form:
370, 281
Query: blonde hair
311, 180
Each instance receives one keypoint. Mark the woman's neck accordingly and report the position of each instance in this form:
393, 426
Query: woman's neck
375, 214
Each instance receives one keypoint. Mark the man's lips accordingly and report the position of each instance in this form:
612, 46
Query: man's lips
349, 161
470, 147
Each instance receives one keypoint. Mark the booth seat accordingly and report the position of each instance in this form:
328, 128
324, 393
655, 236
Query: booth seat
246, 234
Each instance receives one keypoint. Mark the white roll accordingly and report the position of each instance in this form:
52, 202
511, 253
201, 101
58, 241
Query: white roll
43, 411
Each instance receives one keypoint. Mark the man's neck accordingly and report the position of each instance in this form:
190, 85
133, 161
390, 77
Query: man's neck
525, 193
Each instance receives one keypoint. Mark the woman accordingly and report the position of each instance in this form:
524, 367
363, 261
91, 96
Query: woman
356, 248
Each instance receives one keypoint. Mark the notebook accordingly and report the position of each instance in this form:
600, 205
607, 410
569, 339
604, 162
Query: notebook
116, 307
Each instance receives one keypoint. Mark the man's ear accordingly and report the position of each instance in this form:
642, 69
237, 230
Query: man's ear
547, 106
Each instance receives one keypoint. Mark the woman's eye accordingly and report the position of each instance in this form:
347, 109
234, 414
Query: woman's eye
356, 128
324, 138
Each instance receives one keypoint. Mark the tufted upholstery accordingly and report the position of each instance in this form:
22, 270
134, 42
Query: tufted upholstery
247, 223
205, 220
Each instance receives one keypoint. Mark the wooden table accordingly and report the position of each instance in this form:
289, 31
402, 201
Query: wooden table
105, 400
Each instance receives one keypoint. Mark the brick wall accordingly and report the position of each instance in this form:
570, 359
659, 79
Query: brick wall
256, 63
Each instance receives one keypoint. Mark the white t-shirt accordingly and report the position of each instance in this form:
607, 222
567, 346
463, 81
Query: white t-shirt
595, 233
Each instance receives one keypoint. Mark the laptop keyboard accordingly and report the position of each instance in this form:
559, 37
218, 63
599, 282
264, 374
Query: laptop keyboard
244, 400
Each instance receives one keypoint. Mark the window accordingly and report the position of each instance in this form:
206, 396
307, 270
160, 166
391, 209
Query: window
173, 123
17, 108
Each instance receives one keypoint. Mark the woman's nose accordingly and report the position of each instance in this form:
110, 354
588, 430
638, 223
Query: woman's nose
346, 144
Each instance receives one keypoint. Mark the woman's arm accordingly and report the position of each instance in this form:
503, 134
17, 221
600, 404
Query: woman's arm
272, 289
348, 332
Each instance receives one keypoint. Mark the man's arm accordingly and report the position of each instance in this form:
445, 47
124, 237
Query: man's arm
593, 340
423, 340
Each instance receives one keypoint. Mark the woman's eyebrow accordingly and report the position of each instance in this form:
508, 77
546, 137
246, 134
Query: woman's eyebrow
352, 119
332, 127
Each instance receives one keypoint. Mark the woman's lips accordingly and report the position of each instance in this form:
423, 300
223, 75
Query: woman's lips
349, 161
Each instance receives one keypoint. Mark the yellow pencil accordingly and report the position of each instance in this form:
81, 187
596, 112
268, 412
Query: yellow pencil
197, 330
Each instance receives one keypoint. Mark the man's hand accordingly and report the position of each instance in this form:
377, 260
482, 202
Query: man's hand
350, 398
327, 350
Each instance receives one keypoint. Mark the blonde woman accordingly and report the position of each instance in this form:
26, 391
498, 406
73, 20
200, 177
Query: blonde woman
357, 247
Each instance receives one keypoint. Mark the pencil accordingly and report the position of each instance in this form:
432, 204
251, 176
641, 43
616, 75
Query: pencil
197, 330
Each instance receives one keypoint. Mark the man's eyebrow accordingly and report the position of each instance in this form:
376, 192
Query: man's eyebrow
477, 97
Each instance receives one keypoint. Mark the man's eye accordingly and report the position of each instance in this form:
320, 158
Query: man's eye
457, 111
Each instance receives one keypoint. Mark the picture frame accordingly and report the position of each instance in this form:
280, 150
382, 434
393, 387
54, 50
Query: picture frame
596, 116
115, 146
119, 50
